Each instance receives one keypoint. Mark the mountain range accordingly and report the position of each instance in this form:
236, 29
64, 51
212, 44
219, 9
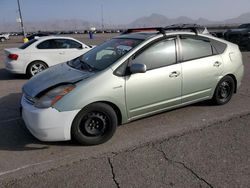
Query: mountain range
148, 21
161, 20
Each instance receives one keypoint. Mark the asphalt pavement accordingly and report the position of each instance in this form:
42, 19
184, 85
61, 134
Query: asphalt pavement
200, 145
214, 156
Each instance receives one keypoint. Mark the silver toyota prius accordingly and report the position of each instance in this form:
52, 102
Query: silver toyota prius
134, 75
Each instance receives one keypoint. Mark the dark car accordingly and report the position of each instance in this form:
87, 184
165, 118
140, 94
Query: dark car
193, 27
30, 37
240, 36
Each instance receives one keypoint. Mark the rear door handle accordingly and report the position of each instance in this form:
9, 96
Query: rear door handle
174, 74
217, 64
61, 53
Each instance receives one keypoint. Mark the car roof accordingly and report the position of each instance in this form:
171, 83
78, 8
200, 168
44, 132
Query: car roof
146, 33
138, 35
54, 37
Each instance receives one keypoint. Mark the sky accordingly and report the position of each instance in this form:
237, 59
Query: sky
121, 11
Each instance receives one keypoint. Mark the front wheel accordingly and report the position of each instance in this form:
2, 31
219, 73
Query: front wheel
95, 124
36, 67
248, 46
224, 91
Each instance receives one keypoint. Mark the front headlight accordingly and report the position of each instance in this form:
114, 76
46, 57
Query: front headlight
54, 95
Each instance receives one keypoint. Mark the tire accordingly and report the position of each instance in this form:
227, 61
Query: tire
36, 67
248, 47
224, 91
2, 39
94, 124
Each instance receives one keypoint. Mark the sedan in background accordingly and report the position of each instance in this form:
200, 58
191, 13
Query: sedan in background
41, 53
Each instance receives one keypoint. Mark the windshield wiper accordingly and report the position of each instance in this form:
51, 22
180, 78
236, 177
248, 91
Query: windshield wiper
88, 66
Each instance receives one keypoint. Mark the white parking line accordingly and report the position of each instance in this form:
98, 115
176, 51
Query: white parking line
9, 120
23, 167
34, 164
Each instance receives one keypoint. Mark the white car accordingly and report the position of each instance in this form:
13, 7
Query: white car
41, 53
4, 37
134, 75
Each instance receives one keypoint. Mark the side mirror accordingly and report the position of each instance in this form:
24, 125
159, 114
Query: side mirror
138, 68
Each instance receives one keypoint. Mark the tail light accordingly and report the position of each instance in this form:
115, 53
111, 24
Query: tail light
13, 56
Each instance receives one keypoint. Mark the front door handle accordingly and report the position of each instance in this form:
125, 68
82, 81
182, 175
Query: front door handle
174, 74
217, 64
61, 53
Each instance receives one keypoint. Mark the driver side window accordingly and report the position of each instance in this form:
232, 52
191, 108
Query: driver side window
158, 55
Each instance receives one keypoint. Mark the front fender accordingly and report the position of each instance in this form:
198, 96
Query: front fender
103, 87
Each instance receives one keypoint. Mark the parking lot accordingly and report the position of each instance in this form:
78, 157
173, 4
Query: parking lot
196, 146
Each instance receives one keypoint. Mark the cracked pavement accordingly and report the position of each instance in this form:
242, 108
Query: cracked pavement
183, 165
197, 146
216, 156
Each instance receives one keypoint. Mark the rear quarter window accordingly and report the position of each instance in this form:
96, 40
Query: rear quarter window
220, 47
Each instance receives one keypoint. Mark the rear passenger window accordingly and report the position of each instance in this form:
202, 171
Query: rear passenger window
158, 55
195, 47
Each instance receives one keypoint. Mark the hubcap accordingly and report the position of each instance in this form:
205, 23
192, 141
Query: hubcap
224, 90
36, 68
94, 124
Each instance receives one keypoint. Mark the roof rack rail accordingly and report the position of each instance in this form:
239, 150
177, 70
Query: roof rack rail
134, 30
193, 27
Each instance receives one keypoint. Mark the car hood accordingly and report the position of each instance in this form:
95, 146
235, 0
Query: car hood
56, 75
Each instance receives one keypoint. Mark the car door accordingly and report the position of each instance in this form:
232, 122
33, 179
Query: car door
50, 52
201, 68
160, 86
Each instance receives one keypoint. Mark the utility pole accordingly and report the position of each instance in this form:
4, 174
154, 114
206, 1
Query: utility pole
102, 17
21, 19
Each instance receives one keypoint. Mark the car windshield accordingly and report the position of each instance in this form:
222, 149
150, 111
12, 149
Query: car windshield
105, 55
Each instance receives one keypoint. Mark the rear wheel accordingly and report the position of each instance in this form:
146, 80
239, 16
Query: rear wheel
224, 91
2, 39
36, 67
95, 124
